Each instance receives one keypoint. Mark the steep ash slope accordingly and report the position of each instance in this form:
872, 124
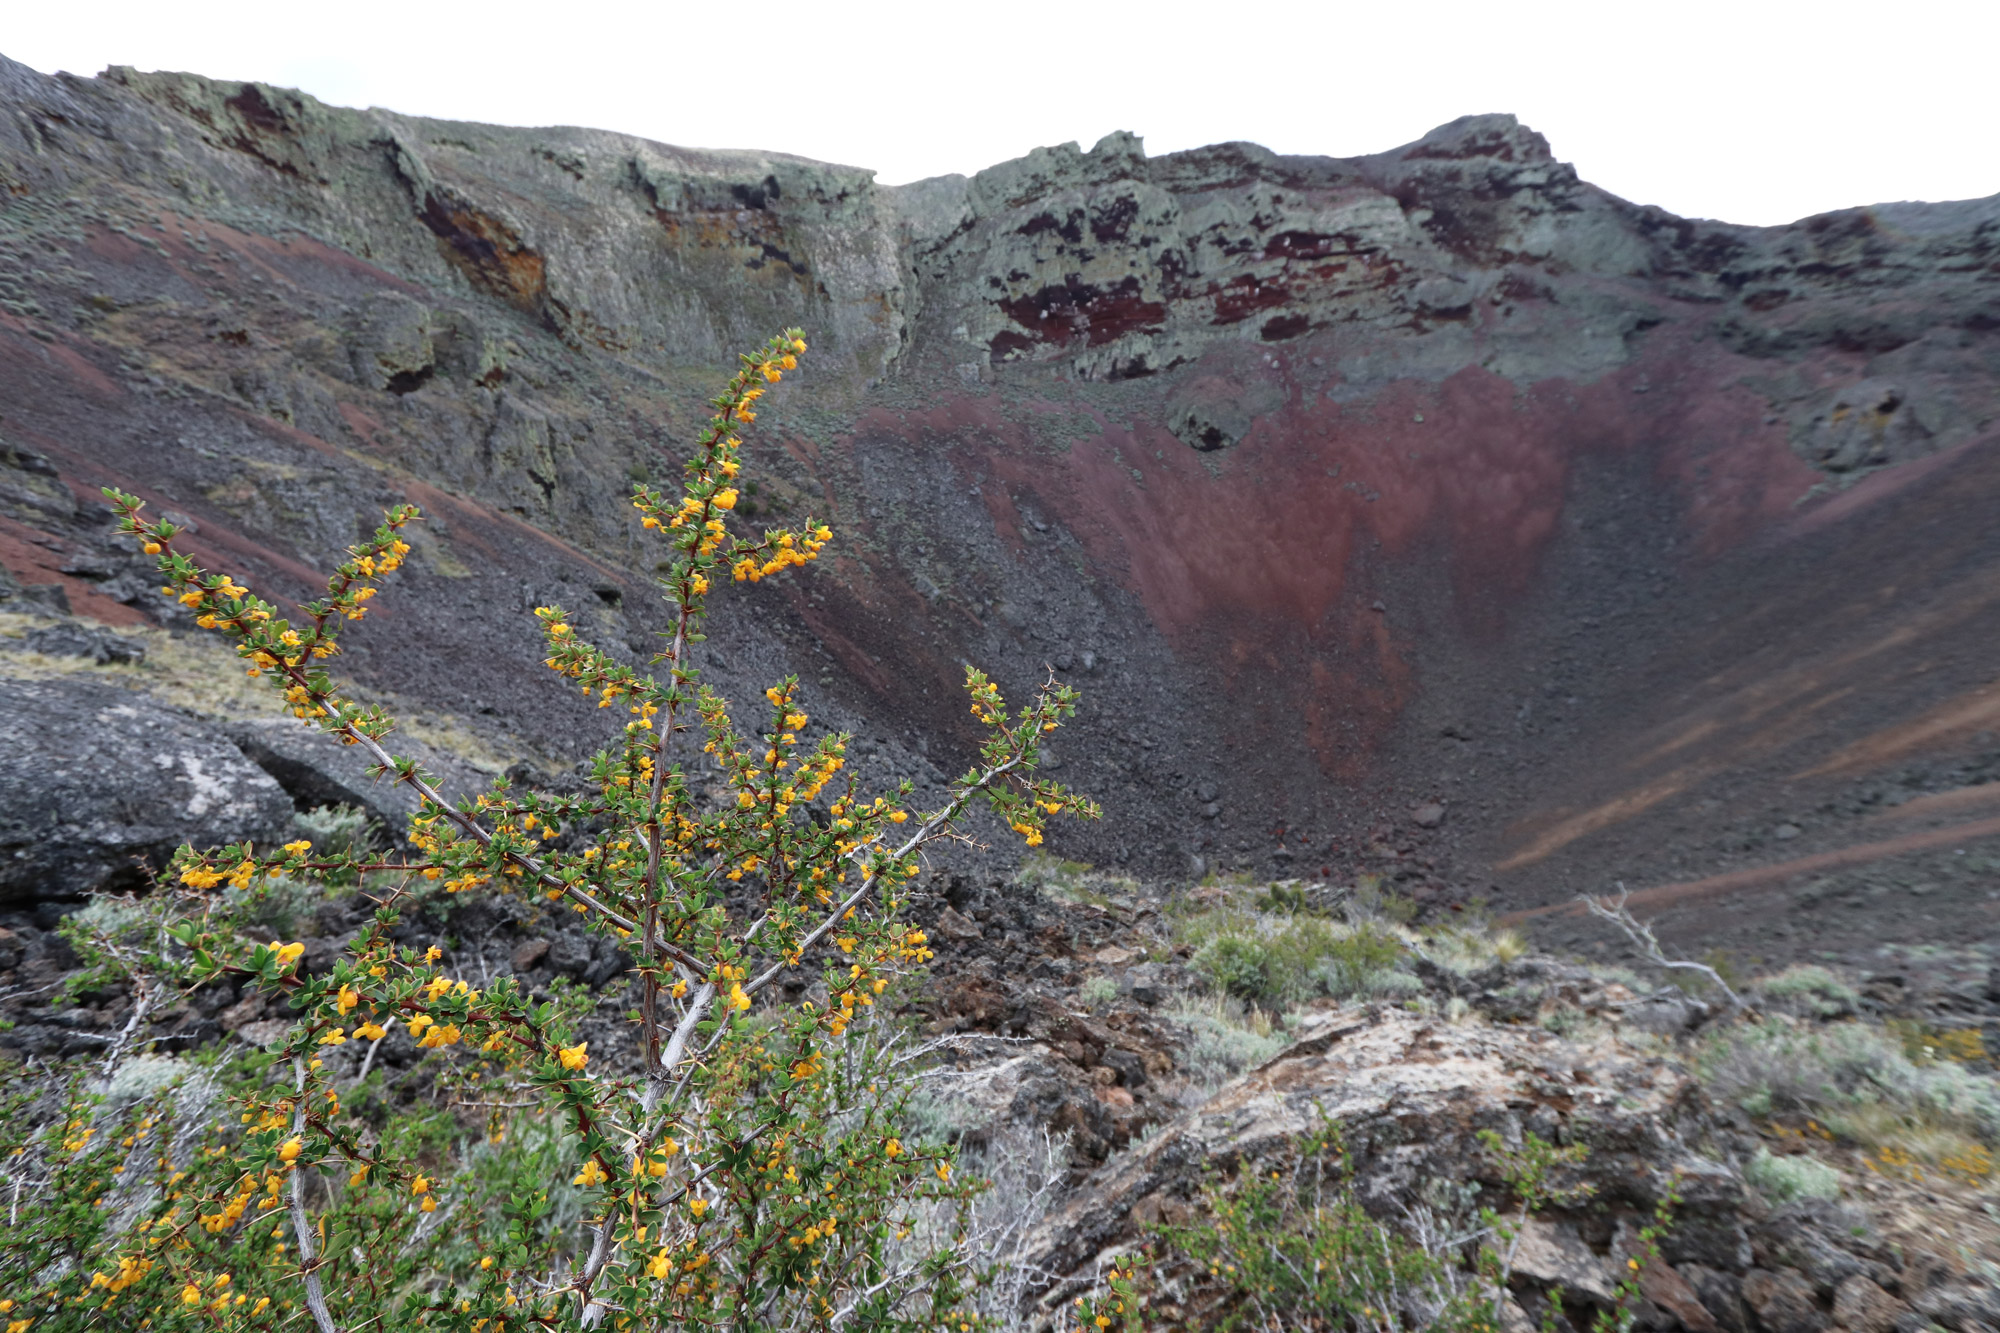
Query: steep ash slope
1434, 478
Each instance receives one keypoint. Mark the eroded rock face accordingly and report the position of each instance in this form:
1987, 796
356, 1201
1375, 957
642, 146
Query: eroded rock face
96, 781
1411, 1093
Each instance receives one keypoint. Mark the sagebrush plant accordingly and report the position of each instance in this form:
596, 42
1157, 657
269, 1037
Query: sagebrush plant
1224, 1037
1809, 990
1859, 1078
752, 1170
1283, 958
1783, 1179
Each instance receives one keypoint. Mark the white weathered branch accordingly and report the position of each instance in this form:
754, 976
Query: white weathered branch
1640, 933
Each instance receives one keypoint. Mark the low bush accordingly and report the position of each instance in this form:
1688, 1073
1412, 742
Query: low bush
1810, 991
1074, 881
1225, 1038
1097, 992
1858, 1080
337, 830
1781, 1179
1281, 959
1926, 1045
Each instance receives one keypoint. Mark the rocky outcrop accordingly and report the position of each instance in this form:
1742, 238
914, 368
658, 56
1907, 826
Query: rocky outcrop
1411, 1093
98, 782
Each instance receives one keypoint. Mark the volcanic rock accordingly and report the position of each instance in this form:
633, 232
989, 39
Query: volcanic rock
1410, 1092
315, 769
97, 783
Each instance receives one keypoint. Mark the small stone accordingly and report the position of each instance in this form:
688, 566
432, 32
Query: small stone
527, 953
1553, 1252
1783, 1301
1428, 815
1786, 832
1117, 955
1859, 1306
954, 926
244, 1012
1720, 1295
264, 1033
570, 953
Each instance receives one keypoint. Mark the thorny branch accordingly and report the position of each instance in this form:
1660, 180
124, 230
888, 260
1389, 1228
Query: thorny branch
1640, 933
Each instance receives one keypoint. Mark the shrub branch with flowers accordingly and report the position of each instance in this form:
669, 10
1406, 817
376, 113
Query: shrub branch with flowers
752, 1170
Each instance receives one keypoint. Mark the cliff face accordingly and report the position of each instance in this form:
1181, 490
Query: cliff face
1437, 478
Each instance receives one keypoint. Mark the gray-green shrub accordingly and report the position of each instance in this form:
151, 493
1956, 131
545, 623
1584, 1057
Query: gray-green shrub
1809, 990
1783, 1179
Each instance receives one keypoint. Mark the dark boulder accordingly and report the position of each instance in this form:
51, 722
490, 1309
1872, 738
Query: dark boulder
97, 781
316, 770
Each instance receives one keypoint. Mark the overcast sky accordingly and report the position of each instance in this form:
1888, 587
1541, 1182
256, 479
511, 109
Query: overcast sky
1758, 111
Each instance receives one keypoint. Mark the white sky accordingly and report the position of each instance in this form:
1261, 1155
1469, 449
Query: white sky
1758, 111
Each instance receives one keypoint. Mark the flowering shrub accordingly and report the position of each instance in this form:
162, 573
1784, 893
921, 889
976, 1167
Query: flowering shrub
751, 1169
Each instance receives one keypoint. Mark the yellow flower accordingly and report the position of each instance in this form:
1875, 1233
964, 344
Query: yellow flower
348, 998
592, 1174
191, 1294
698, 1207
574, 1057
299, 848
290, 1152
332, 1037
893, 1147
290, 954
725, 498
371, 1032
